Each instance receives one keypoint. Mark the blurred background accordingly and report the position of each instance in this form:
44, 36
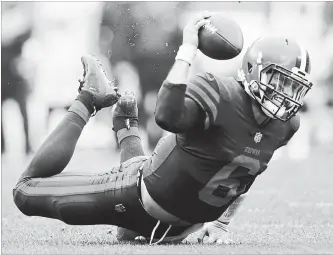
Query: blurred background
42, 42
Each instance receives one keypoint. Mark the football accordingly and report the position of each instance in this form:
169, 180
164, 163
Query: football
222, 39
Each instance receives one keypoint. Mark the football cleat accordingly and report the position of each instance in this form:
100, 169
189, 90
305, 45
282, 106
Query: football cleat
96, 83
125, 112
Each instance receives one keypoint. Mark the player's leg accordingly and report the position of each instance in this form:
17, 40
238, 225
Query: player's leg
108, 198
87, 199
57, 150
55, 153
125, 124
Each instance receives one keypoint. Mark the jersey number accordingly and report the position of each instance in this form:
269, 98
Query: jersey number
231, 180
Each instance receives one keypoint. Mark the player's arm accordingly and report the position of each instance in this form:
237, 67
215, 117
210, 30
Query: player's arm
196, 103
174, 112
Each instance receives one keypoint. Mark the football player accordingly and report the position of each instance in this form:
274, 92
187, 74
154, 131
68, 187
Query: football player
223, 134
237, 124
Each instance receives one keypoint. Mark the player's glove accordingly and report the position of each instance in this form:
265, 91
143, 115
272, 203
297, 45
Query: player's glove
216, 232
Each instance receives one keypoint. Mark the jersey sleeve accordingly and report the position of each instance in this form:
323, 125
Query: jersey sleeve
204, 90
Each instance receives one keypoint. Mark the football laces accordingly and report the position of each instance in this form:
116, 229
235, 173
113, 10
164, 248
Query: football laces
210, 28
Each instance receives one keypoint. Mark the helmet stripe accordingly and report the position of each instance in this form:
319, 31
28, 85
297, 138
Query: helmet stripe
307, 66
298, 62
303, 59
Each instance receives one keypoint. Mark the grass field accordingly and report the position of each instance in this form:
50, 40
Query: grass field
288, 211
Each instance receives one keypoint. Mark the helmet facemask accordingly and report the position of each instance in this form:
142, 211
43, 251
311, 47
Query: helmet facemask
279, 91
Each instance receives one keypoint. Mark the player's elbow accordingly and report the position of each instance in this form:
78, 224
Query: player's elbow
168, 124
161, 120
163, 115
169, 117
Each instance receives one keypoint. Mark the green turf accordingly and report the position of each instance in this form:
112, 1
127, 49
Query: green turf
289, 210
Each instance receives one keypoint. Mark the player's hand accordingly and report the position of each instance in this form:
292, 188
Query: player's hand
214, 234
190, 32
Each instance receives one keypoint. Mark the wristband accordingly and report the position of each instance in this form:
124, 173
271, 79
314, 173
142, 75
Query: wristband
186, 53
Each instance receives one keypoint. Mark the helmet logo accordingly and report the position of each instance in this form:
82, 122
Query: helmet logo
249, 67
257, 137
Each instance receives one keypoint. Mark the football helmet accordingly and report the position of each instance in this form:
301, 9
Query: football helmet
275, 72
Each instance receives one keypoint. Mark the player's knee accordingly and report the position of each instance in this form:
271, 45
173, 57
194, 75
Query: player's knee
29, 205
21, 200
